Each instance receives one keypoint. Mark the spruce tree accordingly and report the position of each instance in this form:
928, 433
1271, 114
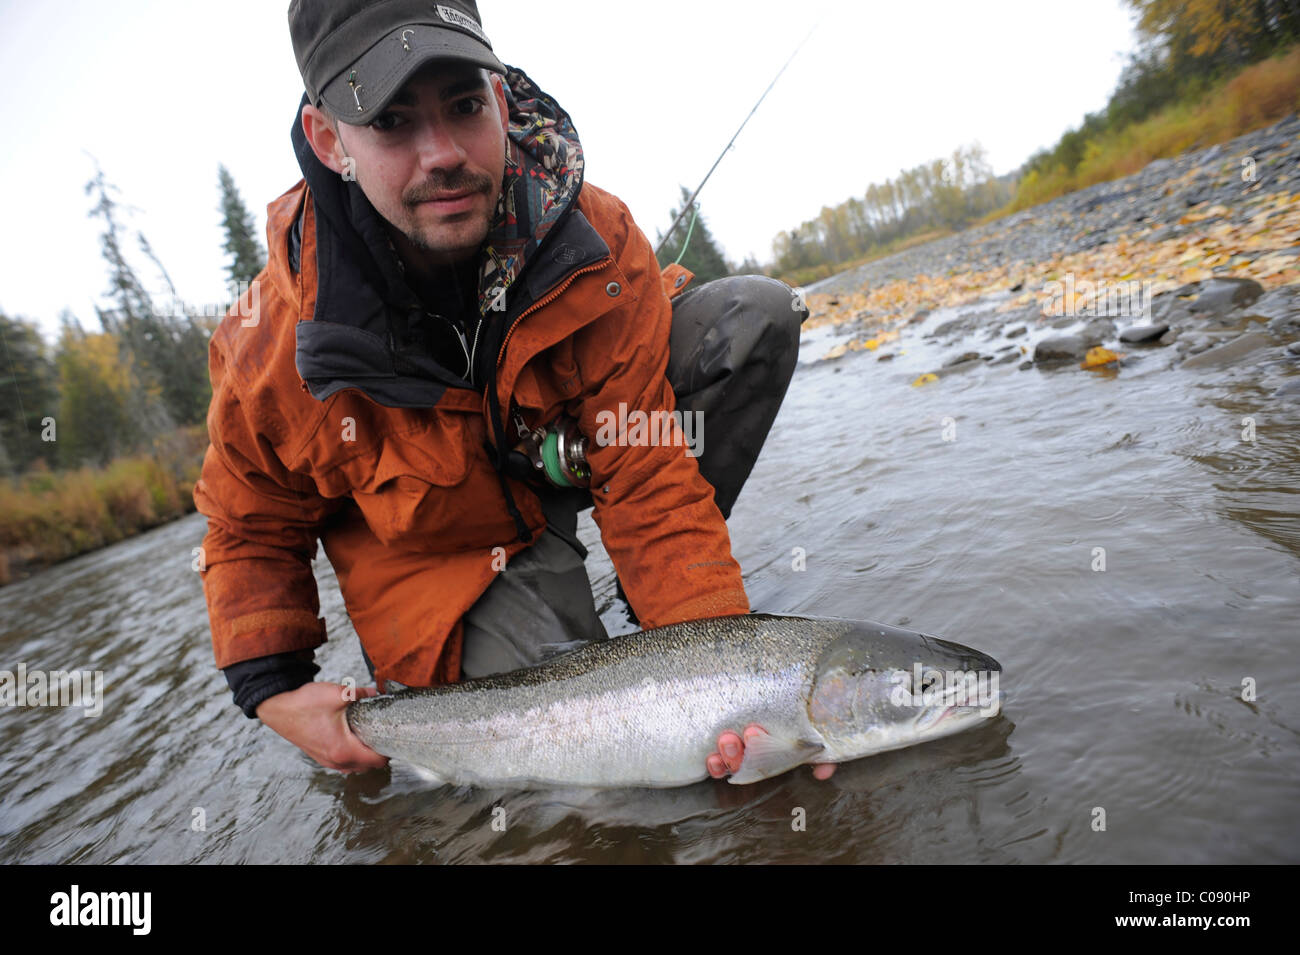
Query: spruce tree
28, 394
242, 245
703, 257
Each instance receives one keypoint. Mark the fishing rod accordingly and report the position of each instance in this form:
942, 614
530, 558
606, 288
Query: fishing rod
690, 204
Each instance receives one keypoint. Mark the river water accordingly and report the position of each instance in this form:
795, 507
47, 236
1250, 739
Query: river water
1121, 542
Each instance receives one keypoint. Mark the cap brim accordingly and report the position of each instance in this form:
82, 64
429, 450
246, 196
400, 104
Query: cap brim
385, 68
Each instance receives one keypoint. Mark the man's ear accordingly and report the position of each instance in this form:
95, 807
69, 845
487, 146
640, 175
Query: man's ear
499, 88
325, 142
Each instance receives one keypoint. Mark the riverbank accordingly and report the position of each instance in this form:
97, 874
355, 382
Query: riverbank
47, 517
1205, 244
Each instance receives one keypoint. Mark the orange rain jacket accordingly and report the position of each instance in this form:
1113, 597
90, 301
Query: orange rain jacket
406, 500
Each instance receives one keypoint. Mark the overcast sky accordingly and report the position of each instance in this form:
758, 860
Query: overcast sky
161, 92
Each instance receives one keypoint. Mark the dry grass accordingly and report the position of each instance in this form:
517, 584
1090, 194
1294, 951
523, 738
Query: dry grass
49, 516
1256, 97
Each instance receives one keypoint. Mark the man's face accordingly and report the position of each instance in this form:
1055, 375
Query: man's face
432, 162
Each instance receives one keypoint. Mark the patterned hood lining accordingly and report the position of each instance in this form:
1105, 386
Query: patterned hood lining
543, 176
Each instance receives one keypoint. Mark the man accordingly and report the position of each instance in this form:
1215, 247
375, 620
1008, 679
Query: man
441, 284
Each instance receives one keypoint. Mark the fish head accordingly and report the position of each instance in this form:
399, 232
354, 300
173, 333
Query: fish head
877, 688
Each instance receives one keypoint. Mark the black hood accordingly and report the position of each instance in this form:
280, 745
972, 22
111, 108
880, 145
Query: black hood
358, 333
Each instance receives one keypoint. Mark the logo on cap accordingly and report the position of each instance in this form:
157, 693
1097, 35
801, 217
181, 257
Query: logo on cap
456, 18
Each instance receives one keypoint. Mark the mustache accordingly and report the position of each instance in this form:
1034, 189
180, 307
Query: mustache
462, 180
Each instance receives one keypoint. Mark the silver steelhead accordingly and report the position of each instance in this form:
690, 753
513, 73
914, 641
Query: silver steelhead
646, 709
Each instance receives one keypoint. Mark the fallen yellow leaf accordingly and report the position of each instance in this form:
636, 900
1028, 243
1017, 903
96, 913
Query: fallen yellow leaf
1098, 356
925, 379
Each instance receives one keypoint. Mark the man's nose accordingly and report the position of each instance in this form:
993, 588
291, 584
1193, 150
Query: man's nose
438, 147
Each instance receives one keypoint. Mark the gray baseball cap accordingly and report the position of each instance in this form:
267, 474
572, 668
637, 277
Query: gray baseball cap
354, 55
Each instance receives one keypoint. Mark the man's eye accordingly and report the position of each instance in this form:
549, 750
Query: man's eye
470, 105
385, 122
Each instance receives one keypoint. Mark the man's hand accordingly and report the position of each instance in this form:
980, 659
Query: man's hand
313, 718
731, 753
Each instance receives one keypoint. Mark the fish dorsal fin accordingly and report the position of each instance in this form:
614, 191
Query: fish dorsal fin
768, 755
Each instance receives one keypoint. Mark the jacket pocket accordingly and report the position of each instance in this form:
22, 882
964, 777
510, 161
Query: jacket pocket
432, 489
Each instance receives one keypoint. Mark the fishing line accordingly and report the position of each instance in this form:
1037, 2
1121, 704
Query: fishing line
691, 202
686, 241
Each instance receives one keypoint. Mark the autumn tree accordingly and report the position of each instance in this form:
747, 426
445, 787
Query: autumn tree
1219, 32
97, 420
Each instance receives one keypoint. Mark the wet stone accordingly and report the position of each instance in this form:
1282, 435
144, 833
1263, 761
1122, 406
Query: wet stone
1097, 331
1280, 304
1231, 351
1143, 333
1017, 331
962, 359
1060, 348
947, 328
1218, 295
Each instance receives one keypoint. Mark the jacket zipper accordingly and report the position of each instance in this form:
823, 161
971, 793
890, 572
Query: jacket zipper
547, 299
474, 348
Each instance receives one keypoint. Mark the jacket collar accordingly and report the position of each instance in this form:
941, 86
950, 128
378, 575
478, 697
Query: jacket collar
356, 337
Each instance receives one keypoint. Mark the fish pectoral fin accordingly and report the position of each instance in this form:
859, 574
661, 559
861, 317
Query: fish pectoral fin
767, 755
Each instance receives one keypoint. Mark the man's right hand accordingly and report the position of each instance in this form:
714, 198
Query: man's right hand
313, 718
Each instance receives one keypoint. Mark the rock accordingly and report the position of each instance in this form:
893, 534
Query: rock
1025, 365
1017, 331
1169, 337
962, 359
1060, 348
952, 325
1009, 356
1285, 324
1281, 305
1097, 331
919, 317
1144, 333
1290, 390
1170, 308
1294, 348
888, 356
1237, 348
1219, 295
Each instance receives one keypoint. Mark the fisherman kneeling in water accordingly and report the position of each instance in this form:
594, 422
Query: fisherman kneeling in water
443, 290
